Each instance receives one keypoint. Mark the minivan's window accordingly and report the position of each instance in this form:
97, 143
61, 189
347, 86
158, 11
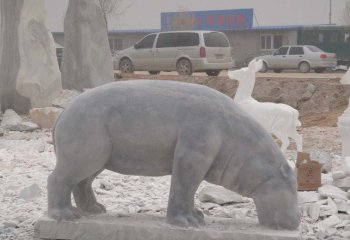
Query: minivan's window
215, 39
296, 51
147, 42
282, 51
188, 39
166, 40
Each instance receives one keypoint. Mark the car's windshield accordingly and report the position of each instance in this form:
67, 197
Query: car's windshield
314, 49
215, 39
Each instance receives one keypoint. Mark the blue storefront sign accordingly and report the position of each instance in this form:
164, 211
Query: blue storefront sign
208, 20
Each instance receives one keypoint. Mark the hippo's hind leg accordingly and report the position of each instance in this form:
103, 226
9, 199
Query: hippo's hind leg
59, 198
85, 198
192, 159
76, 165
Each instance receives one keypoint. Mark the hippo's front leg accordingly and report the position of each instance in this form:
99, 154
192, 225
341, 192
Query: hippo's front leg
193, 157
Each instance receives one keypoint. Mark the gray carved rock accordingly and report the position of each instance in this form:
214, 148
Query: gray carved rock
156, 128
87, 60
29, 73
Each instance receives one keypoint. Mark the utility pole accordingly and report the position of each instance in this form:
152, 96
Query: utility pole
330, 12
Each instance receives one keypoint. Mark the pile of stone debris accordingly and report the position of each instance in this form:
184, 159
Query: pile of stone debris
326, 212
38, 117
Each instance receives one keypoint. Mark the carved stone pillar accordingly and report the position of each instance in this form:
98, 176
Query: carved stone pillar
344, 122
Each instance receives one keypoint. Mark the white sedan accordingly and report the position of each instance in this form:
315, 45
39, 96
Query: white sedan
302, 57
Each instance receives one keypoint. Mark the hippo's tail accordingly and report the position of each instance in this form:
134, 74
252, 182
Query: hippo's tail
53, 130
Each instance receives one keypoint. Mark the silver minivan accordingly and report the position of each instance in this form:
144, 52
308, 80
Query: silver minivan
183, 51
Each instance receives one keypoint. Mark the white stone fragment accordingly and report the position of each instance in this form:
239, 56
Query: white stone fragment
10, 119
343, 183
314, 211
333, 206
333, 192
326, 179
24, 127
10, 224
330, 232
328, 222
30, 192
338, 175
343, 206
308, 197
342, 224
218, 195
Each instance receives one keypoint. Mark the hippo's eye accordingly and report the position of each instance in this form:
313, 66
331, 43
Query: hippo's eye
285, 171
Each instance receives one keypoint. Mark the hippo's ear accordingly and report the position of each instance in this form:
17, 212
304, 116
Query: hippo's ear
286, 171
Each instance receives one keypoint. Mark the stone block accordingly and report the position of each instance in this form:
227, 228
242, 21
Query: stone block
87, 60
45, 117
141, 227
29, 73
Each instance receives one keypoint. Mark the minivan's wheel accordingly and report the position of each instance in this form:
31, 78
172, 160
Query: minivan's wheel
304, 67
320, 70
184, 67
213, 73
125, 66
278, 70
264, 68
154, 72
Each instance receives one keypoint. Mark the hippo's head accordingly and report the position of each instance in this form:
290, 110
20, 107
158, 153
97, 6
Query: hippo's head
276, 200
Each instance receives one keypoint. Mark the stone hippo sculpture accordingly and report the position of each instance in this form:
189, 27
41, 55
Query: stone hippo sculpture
156, 128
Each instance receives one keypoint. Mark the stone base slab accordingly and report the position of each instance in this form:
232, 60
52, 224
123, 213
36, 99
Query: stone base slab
141, 227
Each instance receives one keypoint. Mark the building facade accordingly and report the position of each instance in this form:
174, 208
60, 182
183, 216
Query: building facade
247, 41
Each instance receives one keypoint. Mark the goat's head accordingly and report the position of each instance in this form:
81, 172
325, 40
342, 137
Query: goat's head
247, 73
255, 65
239, 75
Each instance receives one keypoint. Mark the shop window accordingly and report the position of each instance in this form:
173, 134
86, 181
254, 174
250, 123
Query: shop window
320, 37
270, 42
116, 44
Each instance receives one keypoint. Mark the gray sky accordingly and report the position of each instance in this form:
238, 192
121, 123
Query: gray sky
145, 14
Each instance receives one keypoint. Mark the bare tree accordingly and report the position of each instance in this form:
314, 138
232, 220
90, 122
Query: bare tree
112, 9
346, 13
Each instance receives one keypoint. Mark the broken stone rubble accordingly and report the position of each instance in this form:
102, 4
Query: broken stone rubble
13, 122
219, 195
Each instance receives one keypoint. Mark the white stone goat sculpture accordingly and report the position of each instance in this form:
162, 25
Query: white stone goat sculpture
278, 119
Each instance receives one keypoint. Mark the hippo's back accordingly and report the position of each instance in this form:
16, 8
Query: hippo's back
143, 120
